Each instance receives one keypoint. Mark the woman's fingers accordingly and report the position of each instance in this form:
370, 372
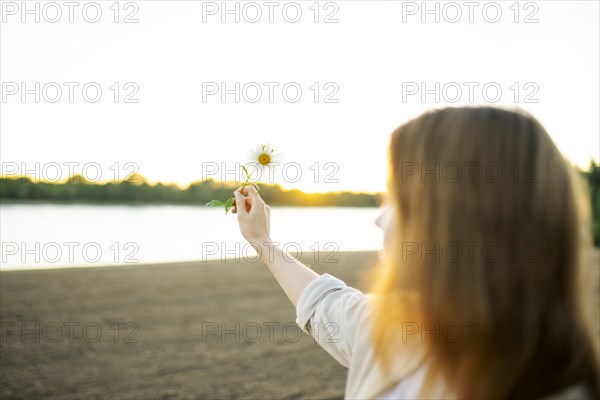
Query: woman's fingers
248, 201
251, 191
239, 199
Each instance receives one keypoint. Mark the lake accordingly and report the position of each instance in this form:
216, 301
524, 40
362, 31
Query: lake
52, 236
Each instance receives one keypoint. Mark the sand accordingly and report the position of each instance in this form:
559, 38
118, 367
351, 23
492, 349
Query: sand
154, 332
175, 313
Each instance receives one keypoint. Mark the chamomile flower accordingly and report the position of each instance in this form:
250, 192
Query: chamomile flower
264, 156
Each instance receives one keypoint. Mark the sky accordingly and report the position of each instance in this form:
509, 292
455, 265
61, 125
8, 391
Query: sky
331, 91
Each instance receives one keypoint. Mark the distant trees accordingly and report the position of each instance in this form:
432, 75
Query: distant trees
136, 189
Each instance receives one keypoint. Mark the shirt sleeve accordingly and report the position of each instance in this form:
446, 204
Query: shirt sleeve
333, 314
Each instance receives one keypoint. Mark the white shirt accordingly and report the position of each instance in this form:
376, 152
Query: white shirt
337, 317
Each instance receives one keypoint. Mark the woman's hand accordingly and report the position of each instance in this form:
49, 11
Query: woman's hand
253, 215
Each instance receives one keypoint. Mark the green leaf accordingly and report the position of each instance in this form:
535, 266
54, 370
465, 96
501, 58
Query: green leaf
215, 203
246, 171
228, 204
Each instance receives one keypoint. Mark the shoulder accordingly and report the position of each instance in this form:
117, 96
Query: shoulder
333, 313
339, 318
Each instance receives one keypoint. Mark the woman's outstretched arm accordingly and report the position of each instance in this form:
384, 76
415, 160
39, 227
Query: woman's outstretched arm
329, 310
254, 221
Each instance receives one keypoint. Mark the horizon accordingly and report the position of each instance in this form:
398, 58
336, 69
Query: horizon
38, 177
178, 186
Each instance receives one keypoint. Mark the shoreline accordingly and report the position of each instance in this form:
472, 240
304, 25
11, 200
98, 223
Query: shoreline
208, 262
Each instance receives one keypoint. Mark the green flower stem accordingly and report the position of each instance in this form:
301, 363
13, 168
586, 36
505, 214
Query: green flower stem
231, 201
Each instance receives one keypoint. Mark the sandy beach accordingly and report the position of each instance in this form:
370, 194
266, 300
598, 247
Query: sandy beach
155, 332
165, 332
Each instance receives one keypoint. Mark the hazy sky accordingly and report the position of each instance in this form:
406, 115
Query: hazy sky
371, 61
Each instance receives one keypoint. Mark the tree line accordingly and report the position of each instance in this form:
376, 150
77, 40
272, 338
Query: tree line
135, 189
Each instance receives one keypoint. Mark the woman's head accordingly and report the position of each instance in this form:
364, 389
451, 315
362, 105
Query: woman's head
486, 234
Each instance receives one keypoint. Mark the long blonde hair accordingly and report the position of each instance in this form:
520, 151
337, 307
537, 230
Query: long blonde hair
491, 230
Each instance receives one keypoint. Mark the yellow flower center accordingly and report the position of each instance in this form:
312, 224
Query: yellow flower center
264, 159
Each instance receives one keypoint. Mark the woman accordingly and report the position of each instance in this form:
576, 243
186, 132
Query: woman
480, 290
